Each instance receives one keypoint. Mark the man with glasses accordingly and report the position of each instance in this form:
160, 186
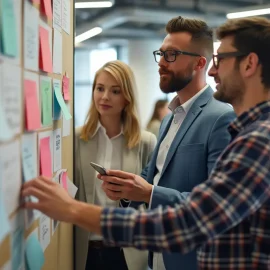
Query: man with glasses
190, 139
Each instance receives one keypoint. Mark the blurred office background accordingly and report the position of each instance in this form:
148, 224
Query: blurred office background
130, 30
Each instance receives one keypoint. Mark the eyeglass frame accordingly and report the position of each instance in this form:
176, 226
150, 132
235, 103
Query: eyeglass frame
219, 56
177, 52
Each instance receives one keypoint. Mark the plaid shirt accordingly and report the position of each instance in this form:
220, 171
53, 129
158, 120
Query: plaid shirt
227, 218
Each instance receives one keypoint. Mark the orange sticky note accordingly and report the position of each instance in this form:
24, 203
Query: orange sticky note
64, 180
45, 56
66, 88
32, 112
46, 8
45, 157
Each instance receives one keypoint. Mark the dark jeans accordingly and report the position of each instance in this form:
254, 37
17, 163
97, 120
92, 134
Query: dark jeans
106, 258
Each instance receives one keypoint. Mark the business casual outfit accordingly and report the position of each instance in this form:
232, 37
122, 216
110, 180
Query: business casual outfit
189, 143
112, 153
227, 217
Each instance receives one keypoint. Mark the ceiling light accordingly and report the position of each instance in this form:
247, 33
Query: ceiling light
248, 13
96, 4
88, 34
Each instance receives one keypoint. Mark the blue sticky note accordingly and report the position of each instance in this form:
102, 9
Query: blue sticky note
9, 44
56, 108
17, 241
4, 223
33, 253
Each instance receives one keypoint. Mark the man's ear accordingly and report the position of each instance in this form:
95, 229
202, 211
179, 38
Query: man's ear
201, 64
250, 64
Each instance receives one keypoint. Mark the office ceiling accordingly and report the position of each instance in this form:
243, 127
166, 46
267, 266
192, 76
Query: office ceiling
132, 19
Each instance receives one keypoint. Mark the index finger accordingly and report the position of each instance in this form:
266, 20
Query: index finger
120, 174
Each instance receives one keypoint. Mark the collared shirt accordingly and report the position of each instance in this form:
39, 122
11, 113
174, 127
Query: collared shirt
227, 216
179, 113
109, 157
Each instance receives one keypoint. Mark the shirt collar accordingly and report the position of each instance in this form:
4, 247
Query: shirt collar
103, 130
248, 117
175, 103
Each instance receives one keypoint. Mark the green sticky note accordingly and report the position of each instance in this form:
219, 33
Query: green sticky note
61, 101
8, 28
46, 103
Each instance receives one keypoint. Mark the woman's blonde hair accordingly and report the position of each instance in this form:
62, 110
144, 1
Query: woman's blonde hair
124, 76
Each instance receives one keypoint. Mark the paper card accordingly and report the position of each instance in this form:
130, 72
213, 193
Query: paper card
11, 96
33, 253
57, 52
45, 57
9, 28
31, 36
17, 241
57, 14
32, 110
44, 231
45, 157
46, 100
10, 173
66, 125
66, 16
46, 8
65, 86
57, 150
71, 188
59, 97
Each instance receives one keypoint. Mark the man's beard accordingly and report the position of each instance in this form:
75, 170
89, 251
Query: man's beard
174, 84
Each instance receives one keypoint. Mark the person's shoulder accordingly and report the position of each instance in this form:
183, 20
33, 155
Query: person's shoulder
219, 106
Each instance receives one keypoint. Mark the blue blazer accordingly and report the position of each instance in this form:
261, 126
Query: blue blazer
199, 141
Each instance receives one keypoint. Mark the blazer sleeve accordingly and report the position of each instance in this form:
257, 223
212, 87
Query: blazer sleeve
219, 138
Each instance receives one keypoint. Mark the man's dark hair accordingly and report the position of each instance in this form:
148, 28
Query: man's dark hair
202, 34
250, 35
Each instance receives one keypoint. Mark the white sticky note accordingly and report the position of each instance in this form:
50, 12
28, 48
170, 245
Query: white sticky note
66, 16
57, 52
57, 150
44, 231
11, 175
57, 14
72, 189
66, 124
11, 96
31, 36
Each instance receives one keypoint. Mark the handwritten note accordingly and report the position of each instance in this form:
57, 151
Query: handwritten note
44, 231
32, 111
57, 52
5, 133
65, 86
9, 29
45, 157
31, 20
57, 150
59, 97
10, 169
45, 57
11, 96
57, 14
34, 253
66, 16
46, 8
46, 100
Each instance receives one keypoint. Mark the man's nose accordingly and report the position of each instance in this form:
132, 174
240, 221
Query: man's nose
212, 71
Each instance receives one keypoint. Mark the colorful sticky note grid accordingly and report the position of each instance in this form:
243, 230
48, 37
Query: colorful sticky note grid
32, 112
45, 57
45, 157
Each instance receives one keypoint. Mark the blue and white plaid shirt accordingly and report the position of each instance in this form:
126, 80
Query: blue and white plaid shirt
227, 217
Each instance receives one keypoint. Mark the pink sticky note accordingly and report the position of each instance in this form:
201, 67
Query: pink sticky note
64, 180
45, 56
46, 8
32, 112
66, 88
45, 157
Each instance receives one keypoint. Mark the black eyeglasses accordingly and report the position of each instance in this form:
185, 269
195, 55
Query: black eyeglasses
170, 55
219, 56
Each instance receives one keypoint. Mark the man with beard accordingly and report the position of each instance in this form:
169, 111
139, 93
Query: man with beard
190, 139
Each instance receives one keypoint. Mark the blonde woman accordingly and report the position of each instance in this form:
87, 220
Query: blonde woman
112, 138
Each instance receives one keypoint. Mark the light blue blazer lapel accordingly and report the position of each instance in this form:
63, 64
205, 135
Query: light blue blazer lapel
193, 113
